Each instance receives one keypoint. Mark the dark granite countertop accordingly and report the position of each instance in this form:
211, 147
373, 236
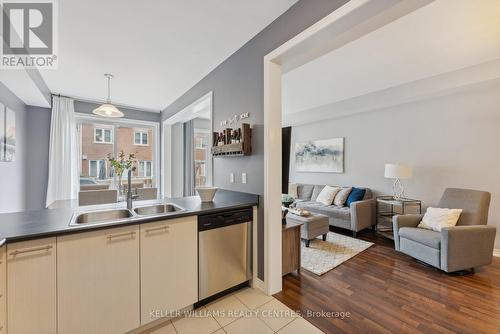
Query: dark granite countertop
51, 222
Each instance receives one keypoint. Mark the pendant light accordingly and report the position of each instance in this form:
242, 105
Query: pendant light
107, 109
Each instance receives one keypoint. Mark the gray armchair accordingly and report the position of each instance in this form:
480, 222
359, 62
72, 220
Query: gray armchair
465, 246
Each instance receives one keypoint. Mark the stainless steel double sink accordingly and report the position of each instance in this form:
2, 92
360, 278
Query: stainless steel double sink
121, 215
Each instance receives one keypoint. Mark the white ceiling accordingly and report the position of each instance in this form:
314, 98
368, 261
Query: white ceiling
442, 37
156, 49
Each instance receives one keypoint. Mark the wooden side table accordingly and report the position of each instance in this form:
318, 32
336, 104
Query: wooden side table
388, 207
290, 247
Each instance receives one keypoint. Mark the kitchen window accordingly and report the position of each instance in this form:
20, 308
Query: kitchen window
103, 136
141, 138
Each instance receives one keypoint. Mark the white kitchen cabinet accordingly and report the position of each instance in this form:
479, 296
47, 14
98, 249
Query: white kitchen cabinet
98, 281
169, 274
3, 291
31, 288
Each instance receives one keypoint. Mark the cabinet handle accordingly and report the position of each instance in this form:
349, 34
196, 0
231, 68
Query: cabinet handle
154, 229
44, 248
111, 236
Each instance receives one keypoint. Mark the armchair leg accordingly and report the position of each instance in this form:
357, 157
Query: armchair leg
354, 234
462, 272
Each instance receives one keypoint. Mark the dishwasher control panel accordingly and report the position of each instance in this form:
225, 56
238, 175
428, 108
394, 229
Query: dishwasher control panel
227, 218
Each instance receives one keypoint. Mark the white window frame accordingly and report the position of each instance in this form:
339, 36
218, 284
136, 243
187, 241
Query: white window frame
142, 165
82, 118
98, 167
142, 133
102, 128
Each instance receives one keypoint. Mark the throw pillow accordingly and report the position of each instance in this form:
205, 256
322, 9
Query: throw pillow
292, 190
327, 195
357, 194
342, 196
437, 218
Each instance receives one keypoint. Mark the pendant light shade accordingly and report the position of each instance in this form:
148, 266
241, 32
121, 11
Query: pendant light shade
107, 109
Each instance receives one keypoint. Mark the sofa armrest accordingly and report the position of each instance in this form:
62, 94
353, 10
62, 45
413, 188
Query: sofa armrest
362, 214
399, 221
465, 247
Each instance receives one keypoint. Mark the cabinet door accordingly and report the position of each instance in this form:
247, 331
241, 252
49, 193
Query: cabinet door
31, 288
169, 274
3, 291
98, 281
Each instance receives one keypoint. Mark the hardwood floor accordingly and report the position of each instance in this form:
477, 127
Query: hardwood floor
388, 292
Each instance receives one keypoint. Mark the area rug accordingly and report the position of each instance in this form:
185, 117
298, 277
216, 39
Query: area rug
322, 256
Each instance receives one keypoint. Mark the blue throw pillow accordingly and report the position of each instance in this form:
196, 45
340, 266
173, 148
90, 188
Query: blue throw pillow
357, 194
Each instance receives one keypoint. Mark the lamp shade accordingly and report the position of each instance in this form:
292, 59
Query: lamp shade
108, 110
397, 171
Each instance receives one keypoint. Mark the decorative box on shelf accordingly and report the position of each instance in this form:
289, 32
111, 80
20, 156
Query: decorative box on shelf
233, 142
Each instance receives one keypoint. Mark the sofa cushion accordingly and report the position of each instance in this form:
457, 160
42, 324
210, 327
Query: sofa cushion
304, 191
343, 213
292, 190
357, 194
422, 236
316, 190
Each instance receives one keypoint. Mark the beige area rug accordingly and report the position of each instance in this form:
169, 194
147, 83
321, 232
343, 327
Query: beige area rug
322, 256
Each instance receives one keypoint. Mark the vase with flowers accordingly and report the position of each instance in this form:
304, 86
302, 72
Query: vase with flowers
124, 162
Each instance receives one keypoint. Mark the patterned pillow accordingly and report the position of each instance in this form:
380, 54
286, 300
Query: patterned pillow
342, 196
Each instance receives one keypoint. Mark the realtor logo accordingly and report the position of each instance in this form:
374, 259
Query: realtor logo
29, 34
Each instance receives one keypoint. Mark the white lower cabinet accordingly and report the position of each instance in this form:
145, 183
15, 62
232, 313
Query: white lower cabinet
98, 281
3, 291
31, 287
169, 266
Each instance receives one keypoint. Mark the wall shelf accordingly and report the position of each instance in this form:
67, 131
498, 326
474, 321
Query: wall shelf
243, 148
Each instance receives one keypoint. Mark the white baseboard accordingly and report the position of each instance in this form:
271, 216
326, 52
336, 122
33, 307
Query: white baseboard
496, 252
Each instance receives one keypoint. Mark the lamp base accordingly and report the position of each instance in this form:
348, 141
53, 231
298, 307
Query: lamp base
397, 189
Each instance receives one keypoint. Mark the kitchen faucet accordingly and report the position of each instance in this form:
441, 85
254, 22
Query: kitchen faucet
130, 196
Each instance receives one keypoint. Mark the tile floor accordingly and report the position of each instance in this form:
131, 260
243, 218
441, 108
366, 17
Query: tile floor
246, 311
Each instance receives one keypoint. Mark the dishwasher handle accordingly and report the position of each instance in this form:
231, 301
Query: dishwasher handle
217, 220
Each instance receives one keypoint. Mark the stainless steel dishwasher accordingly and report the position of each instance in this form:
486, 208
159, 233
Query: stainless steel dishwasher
224, 252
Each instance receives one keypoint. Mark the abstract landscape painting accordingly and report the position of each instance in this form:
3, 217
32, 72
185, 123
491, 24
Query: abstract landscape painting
320, 156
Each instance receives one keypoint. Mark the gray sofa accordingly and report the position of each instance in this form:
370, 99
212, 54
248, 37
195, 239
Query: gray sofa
465, 246
358, 216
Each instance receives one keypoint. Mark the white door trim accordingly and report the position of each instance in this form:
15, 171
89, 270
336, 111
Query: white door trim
348, 23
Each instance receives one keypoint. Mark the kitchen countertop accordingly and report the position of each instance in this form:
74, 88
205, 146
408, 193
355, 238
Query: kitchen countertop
55, 221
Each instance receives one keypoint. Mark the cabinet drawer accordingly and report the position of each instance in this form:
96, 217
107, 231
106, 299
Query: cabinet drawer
31, 288
3, 291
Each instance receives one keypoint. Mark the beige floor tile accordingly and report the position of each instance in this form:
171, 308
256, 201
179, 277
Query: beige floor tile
252, 298
248, 325
300, 326
276, 314
220, 331
200, 324
165, 328
227, 310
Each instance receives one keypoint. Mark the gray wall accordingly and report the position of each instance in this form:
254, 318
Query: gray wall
450, 141
238, 86
12, 174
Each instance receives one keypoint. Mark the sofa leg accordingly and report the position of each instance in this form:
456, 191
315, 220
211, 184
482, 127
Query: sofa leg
307, 243
354, 233
324, 237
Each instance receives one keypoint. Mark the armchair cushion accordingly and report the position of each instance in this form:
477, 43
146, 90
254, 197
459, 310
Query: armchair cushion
422, 236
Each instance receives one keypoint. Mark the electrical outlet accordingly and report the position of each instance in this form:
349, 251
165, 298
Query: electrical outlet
231, 177
243, 177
